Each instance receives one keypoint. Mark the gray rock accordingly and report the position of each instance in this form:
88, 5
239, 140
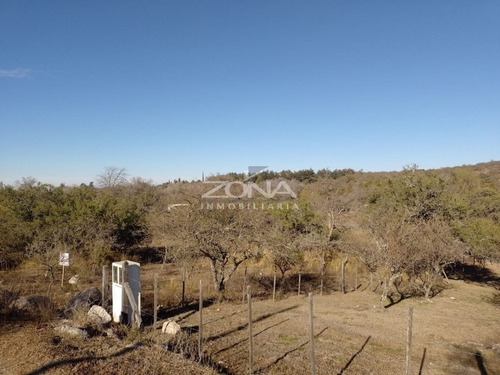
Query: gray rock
74, 280
85, 299
99, 315
31, 304
72, 331
170, 327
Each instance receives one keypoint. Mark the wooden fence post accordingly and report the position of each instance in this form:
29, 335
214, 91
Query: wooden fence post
155, 301
356, 279
183, 297
200, 324
244, 286
408, 340
250, 333
342, 275
274, 287
311, 335
104, 287
62, 277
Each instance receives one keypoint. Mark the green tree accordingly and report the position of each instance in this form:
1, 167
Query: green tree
473, 210
406, 219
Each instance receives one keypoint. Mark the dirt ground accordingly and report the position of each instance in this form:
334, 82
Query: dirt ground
457, 332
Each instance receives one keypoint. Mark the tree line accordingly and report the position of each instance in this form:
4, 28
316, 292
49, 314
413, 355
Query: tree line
302, 175
404, 227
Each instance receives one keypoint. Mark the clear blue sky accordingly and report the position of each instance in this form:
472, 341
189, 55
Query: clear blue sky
170, 89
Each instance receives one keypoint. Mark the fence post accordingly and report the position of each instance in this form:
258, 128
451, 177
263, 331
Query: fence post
274, 287
342, 276
244, 286
408, 340
183, 285
155, 302
104, 287
250, 334
300, 277
356, 279
62, 277
311, 335
200, 324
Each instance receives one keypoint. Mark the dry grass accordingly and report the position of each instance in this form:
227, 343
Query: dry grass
37, 349
458, 330
354, 337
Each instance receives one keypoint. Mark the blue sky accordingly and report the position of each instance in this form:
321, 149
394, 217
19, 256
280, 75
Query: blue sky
170, 89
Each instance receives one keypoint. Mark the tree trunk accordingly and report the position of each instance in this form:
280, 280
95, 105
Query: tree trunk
217, 275
433, 278
342, 275
222, 286
427, 290
322, 274
387, 287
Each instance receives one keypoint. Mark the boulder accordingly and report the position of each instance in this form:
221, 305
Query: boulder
73, 280
72, 331
31, 304
99, 315
85, 299
170, 327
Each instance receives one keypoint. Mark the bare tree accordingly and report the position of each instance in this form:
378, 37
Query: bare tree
227, 238
334, 202
285, 247
111, 177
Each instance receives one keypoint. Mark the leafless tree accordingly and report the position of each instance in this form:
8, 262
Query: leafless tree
111, 177
227, 238
334, 202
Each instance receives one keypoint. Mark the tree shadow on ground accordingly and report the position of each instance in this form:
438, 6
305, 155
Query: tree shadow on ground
476, 273
61, 362
394, 299
245, 325
189, 309
480, 363
246, 338
196, 328
284, 355
354, 356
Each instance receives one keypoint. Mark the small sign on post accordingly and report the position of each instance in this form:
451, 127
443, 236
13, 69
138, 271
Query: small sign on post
64, 262
64, 259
